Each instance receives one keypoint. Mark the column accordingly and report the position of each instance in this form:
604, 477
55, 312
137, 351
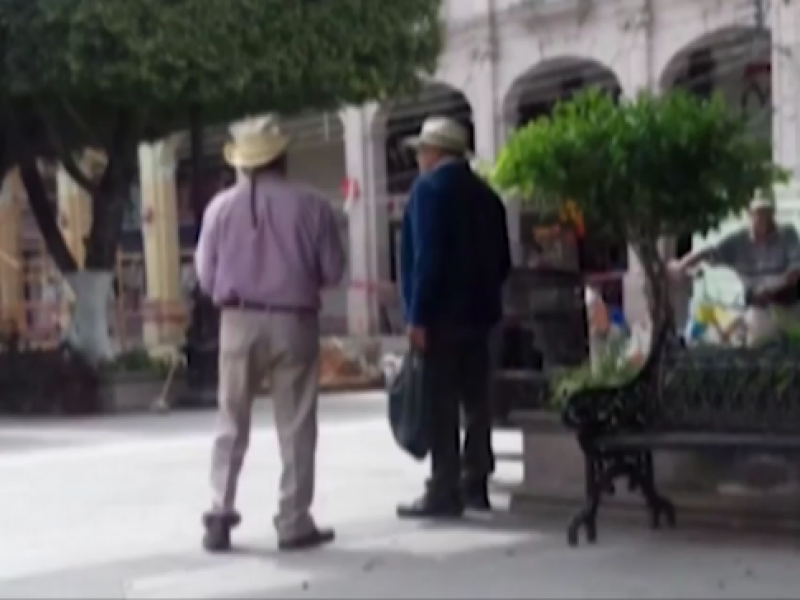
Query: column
368, 218
11, 284
491, 126
636, 68
486, 114
785, 25
165, 306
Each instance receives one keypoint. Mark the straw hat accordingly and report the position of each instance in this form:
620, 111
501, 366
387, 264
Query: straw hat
441, 132
256, 142
762, 202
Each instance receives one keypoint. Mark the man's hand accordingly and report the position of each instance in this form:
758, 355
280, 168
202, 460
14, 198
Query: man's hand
761, 297
416, 337
675, 268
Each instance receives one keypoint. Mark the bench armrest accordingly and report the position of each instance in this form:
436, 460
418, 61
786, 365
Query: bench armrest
595, 411
591, 408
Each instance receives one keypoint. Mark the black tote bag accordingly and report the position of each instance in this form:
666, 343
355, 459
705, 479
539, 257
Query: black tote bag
409, 409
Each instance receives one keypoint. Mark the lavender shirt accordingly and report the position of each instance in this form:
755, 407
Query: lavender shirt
284, 261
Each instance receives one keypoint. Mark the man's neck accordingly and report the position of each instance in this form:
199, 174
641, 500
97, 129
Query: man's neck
760, 238
447, 160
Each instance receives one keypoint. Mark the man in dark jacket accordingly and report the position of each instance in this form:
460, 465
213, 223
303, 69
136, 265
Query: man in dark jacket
455, 259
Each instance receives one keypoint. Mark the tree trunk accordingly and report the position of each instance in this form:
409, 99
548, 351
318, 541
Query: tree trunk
656, 287
94, 287
197, 149
204, 324
45, 216
89, 331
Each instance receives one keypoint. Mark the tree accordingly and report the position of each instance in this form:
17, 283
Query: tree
650, 167
108, 74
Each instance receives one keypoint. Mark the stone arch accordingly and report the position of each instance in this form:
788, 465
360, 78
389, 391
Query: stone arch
535, 91
734, 61
730, 51
403, 118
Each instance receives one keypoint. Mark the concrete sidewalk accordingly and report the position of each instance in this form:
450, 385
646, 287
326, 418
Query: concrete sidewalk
121, 520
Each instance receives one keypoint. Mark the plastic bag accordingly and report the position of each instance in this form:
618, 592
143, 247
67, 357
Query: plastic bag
409, 408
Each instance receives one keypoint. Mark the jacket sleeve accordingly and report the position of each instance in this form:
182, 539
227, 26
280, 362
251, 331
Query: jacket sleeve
427, 224
504, 244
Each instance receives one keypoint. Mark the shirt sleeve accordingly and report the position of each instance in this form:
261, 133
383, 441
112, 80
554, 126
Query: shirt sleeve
331, 255
207, 251
792, 245
726, 251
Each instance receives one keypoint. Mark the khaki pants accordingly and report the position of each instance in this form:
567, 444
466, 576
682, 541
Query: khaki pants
283, 348
764, 324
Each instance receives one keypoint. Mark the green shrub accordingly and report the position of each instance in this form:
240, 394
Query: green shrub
137, 361
611, 370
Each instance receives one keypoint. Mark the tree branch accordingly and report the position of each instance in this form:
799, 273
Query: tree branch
109, 199
657, 283
42, 210
85, 131
64, 154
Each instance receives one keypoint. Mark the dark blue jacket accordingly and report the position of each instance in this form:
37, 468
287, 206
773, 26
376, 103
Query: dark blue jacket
455, 254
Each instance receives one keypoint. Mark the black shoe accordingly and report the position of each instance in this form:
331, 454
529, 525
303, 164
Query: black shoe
315, 539
432, 507
217, 536
476, 497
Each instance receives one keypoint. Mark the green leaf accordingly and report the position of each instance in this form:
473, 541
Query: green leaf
656, 165
231, 58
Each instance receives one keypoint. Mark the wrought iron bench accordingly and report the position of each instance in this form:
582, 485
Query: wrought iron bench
703, 400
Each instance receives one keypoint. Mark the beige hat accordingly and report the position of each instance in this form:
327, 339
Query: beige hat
761, 202
441, 132
256, 142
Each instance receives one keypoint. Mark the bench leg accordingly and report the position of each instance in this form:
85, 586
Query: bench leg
600, 476
658, 505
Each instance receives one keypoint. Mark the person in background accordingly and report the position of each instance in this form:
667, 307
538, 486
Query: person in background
455, 258
267, 248
766, 258
188, 280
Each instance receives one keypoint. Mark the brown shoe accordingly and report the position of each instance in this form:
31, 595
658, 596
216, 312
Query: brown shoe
314, 539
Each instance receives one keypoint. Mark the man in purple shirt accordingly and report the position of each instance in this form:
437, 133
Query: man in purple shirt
267, 248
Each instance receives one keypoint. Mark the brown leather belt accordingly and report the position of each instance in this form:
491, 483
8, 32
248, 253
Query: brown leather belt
247, 305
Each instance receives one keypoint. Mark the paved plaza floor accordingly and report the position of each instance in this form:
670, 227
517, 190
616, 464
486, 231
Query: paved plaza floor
111, 509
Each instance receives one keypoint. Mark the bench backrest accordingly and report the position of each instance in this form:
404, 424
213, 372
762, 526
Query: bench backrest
727, 391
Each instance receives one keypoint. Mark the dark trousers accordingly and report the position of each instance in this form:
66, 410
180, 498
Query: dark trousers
457, 375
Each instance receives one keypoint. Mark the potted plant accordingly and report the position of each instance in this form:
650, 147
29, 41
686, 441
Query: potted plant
133, 381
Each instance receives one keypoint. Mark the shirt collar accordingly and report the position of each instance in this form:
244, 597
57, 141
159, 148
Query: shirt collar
771, 236
446, 161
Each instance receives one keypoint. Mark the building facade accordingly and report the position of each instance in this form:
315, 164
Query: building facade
508, 61
505, 63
